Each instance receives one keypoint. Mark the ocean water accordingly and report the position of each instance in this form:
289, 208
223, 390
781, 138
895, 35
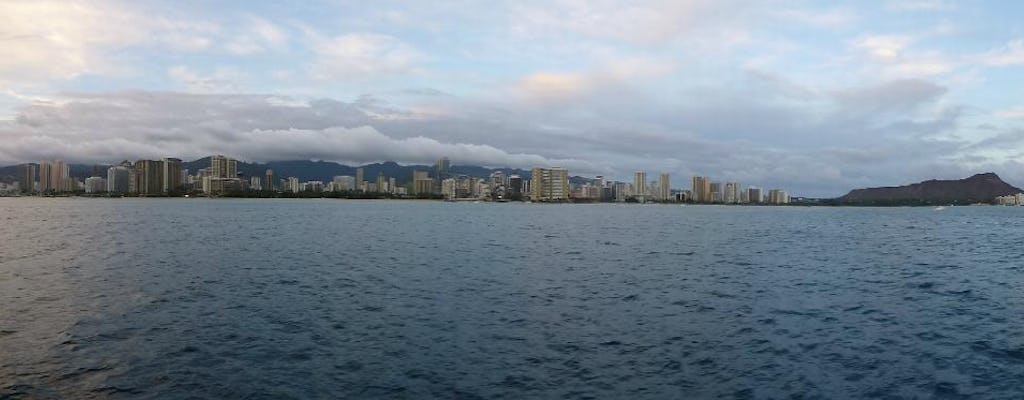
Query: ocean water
197, 298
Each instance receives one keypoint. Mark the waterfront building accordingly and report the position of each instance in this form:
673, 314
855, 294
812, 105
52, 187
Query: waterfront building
701, 189
270, 180
172, 181
26, 178
95, 184
778, 196
343, 183
255, 183
444, 166
550, 184
515, 187
117, 179
360, 179
293, 184
45, 177
149, 177
382, 183
313, 186
422, 183
640, 186
754, 195
664, 187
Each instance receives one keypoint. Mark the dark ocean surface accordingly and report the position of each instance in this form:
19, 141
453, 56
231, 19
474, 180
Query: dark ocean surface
275, 299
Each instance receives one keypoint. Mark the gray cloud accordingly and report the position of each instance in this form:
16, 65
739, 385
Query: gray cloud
765, 132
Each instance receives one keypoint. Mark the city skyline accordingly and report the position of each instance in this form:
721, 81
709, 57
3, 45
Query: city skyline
167, 177
816, 96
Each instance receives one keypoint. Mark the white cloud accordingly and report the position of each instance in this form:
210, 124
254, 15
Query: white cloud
259, 36
1012, 54
362, 55
820, 19
48, 40
223, 80
1016, 113
922, 5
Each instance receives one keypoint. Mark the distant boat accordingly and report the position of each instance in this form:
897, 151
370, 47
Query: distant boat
939, 208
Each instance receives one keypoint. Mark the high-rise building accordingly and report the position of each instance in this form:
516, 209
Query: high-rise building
149, 177
754, 195
421, 183
778, 196
664, 188
360, 178
732, 193
444, 166
701, 189
293, 184
550, 184
60, 177
27, 178
95, 184
255, 184
515, 187
270, 180
117, 179
343, 183
715, 192
640, 185
171, 176
382, 183
45, 177
218, 166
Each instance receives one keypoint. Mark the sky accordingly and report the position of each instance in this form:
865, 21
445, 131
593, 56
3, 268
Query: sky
814, 97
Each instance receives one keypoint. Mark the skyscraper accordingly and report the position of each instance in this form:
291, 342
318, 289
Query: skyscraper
45, 177
171, 176
27, 178
117, 179
515, 187
360, 178
701, 189
270, 180
421, 183
60, 177
443, 168
640, 185
218, 166
382, 183
149, 176
550, 184
732, 193
754, 195
664, 187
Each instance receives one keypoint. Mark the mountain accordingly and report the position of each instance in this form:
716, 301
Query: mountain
980, 188
305, 170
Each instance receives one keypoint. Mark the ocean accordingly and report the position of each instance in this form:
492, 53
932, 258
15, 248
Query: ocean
303, 298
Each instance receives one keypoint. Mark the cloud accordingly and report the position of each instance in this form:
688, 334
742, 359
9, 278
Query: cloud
224, 80
259, 36
826, 19
362, 55
1012, 54
48, 40
130, 125
922, 5
1016, 113
898, 96
554, 87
